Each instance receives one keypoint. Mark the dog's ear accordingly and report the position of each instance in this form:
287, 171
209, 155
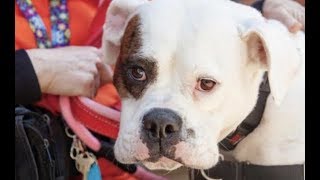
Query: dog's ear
117, 17
274, 49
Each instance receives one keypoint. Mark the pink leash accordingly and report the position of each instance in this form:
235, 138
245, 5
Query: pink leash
79, 129
101, 109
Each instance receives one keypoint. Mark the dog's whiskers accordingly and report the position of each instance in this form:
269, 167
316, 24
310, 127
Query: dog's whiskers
206, 176
203, 173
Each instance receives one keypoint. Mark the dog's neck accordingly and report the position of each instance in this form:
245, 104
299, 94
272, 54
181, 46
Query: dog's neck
279, 139
251, 122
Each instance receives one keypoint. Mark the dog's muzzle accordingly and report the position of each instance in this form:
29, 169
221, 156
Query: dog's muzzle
160, 132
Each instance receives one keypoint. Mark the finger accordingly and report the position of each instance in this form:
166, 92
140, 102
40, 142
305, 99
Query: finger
297, 12
91, 48
302, 2
86, 51
105, 73
94, 57
94, 50
93, 84
86, 67
100, 53
286, 18
82, 48
86, 57
299, 15
296, 27
96, 85
88, 85
80, 85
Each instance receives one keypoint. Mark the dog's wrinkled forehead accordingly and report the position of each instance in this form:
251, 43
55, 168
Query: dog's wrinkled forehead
176, 42
180, 32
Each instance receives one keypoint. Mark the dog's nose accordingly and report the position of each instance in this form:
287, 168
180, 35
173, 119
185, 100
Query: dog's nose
159, 123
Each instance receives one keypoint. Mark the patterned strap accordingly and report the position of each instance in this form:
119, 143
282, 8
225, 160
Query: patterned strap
59, 23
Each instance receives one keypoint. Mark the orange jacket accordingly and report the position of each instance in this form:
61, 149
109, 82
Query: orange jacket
86, 20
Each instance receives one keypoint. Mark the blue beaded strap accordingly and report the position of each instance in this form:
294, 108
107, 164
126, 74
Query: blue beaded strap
59, 23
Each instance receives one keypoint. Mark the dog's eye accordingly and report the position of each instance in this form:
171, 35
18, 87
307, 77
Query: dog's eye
205, 84
137, 73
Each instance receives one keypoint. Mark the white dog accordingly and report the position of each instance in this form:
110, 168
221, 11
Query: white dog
188, 73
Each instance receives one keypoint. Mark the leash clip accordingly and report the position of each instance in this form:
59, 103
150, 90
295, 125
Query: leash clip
83, 158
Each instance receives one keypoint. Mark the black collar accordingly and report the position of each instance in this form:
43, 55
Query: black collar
228, 170
252, 120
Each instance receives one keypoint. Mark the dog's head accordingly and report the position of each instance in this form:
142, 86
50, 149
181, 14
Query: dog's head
188, 72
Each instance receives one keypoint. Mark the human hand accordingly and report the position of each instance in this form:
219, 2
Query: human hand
70, 71
289, 12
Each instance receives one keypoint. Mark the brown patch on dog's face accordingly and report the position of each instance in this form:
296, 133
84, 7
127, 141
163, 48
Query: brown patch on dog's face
130, 60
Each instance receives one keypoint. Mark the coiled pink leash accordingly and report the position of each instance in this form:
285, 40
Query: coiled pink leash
79, 129
100, 109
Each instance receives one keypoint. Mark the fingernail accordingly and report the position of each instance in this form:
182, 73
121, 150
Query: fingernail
296, 27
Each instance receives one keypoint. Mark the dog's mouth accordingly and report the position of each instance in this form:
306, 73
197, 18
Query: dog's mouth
164, 156
163, 151
155, 159
163, 163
